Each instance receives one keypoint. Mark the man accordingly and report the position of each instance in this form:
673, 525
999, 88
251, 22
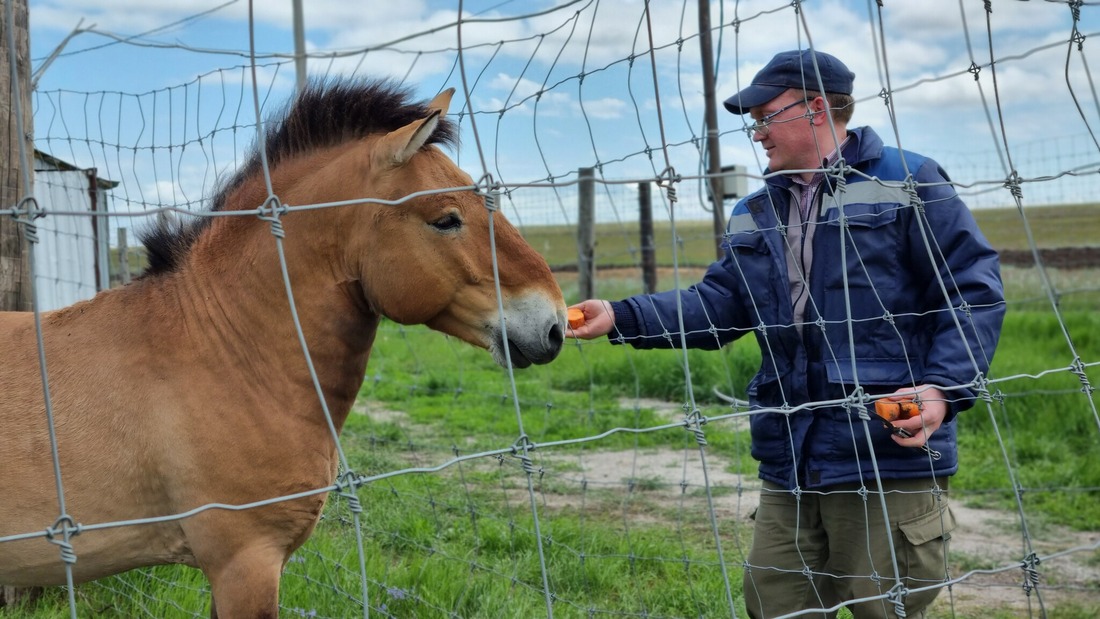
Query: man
863, 276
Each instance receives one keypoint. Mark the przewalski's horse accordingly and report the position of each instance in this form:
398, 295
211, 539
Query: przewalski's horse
188, 387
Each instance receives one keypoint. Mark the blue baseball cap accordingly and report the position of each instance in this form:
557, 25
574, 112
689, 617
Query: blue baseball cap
792, 69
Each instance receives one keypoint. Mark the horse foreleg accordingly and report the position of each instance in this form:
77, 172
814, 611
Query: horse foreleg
246, 585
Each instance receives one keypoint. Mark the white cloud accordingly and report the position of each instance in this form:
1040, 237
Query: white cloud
605, 108
540, 70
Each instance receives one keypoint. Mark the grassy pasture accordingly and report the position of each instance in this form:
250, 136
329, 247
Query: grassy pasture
619, 534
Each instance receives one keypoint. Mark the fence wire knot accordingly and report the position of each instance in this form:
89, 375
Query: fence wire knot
911, 189
28, 206
520, 448
937, 490
974, 70
347, 483
896, 596
271, 211
837, 173
1078, 39
981, 387
1030, 566
1012, 183
694, 422
857, 401
24, 214
1077, 368
30, 230
668, 179
527, 464
489, 189
66, 529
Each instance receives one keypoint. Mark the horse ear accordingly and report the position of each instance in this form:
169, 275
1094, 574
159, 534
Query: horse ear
442, 101
398, 146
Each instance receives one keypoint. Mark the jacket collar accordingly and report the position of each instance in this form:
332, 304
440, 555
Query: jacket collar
863, 145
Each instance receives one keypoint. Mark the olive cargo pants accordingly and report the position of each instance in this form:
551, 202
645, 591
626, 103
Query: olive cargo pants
824, 547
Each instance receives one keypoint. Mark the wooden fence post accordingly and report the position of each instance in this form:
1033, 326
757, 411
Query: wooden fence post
123, 258
15, 280
586, 233
649, 249
713, 157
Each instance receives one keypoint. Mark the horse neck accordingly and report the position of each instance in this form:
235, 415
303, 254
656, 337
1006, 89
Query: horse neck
232, 282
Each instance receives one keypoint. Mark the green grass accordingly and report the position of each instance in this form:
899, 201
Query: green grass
461, 541
1044, 426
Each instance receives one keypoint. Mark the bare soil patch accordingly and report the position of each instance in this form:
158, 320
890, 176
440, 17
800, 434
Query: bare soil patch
987, 548
673, 488
1054, 257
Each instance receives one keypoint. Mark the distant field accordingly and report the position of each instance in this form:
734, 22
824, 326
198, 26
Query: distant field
618, 245
1073, 225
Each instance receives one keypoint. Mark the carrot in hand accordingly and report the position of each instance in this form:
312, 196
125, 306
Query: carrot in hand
576, 318
892, 411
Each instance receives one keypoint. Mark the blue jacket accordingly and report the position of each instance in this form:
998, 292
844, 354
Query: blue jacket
899, 334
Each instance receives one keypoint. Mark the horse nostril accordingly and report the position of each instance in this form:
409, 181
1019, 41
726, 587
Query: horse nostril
557, 336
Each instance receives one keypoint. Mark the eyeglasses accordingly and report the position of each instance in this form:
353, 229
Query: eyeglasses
761, 125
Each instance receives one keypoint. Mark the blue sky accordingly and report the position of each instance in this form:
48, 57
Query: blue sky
159, 112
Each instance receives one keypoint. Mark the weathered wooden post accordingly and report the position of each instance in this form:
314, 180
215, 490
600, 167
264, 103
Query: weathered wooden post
123, 258
713, 156
15, 281
586, 233
649, 249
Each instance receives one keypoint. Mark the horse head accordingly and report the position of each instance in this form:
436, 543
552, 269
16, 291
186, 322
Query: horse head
436, 257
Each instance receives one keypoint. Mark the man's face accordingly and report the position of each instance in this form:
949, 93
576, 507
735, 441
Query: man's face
788, 138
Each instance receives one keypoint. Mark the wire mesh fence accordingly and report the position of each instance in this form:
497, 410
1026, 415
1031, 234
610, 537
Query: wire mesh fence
611, 481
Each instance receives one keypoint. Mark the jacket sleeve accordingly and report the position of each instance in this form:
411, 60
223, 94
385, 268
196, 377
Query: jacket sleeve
713, 313
965, 293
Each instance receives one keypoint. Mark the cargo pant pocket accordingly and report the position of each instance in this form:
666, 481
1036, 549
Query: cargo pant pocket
925, 548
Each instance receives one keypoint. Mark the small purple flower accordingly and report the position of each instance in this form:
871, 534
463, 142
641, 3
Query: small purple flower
397, 593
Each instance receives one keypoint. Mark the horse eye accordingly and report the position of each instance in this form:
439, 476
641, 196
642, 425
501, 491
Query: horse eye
448, 223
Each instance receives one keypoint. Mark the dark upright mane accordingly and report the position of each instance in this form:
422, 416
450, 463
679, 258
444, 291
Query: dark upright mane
325, 113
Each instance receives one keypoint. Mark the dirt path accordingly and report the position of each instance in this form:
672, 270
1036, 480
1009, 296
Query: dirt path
986, 540
987, 550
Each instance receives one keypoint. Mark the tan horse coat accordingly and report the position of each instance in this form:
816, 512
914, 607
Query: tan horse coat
189, 387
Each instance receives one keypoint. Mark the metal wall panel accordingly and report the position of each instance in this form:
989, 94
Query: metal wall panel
65, 264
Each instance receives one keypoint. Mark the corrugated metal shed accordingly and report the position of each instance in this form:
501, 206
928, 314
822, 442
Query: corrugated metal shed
71, 257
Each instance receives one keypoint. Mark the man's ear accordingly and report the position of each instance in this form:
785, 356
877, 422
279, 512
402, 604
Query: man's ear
821, 110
